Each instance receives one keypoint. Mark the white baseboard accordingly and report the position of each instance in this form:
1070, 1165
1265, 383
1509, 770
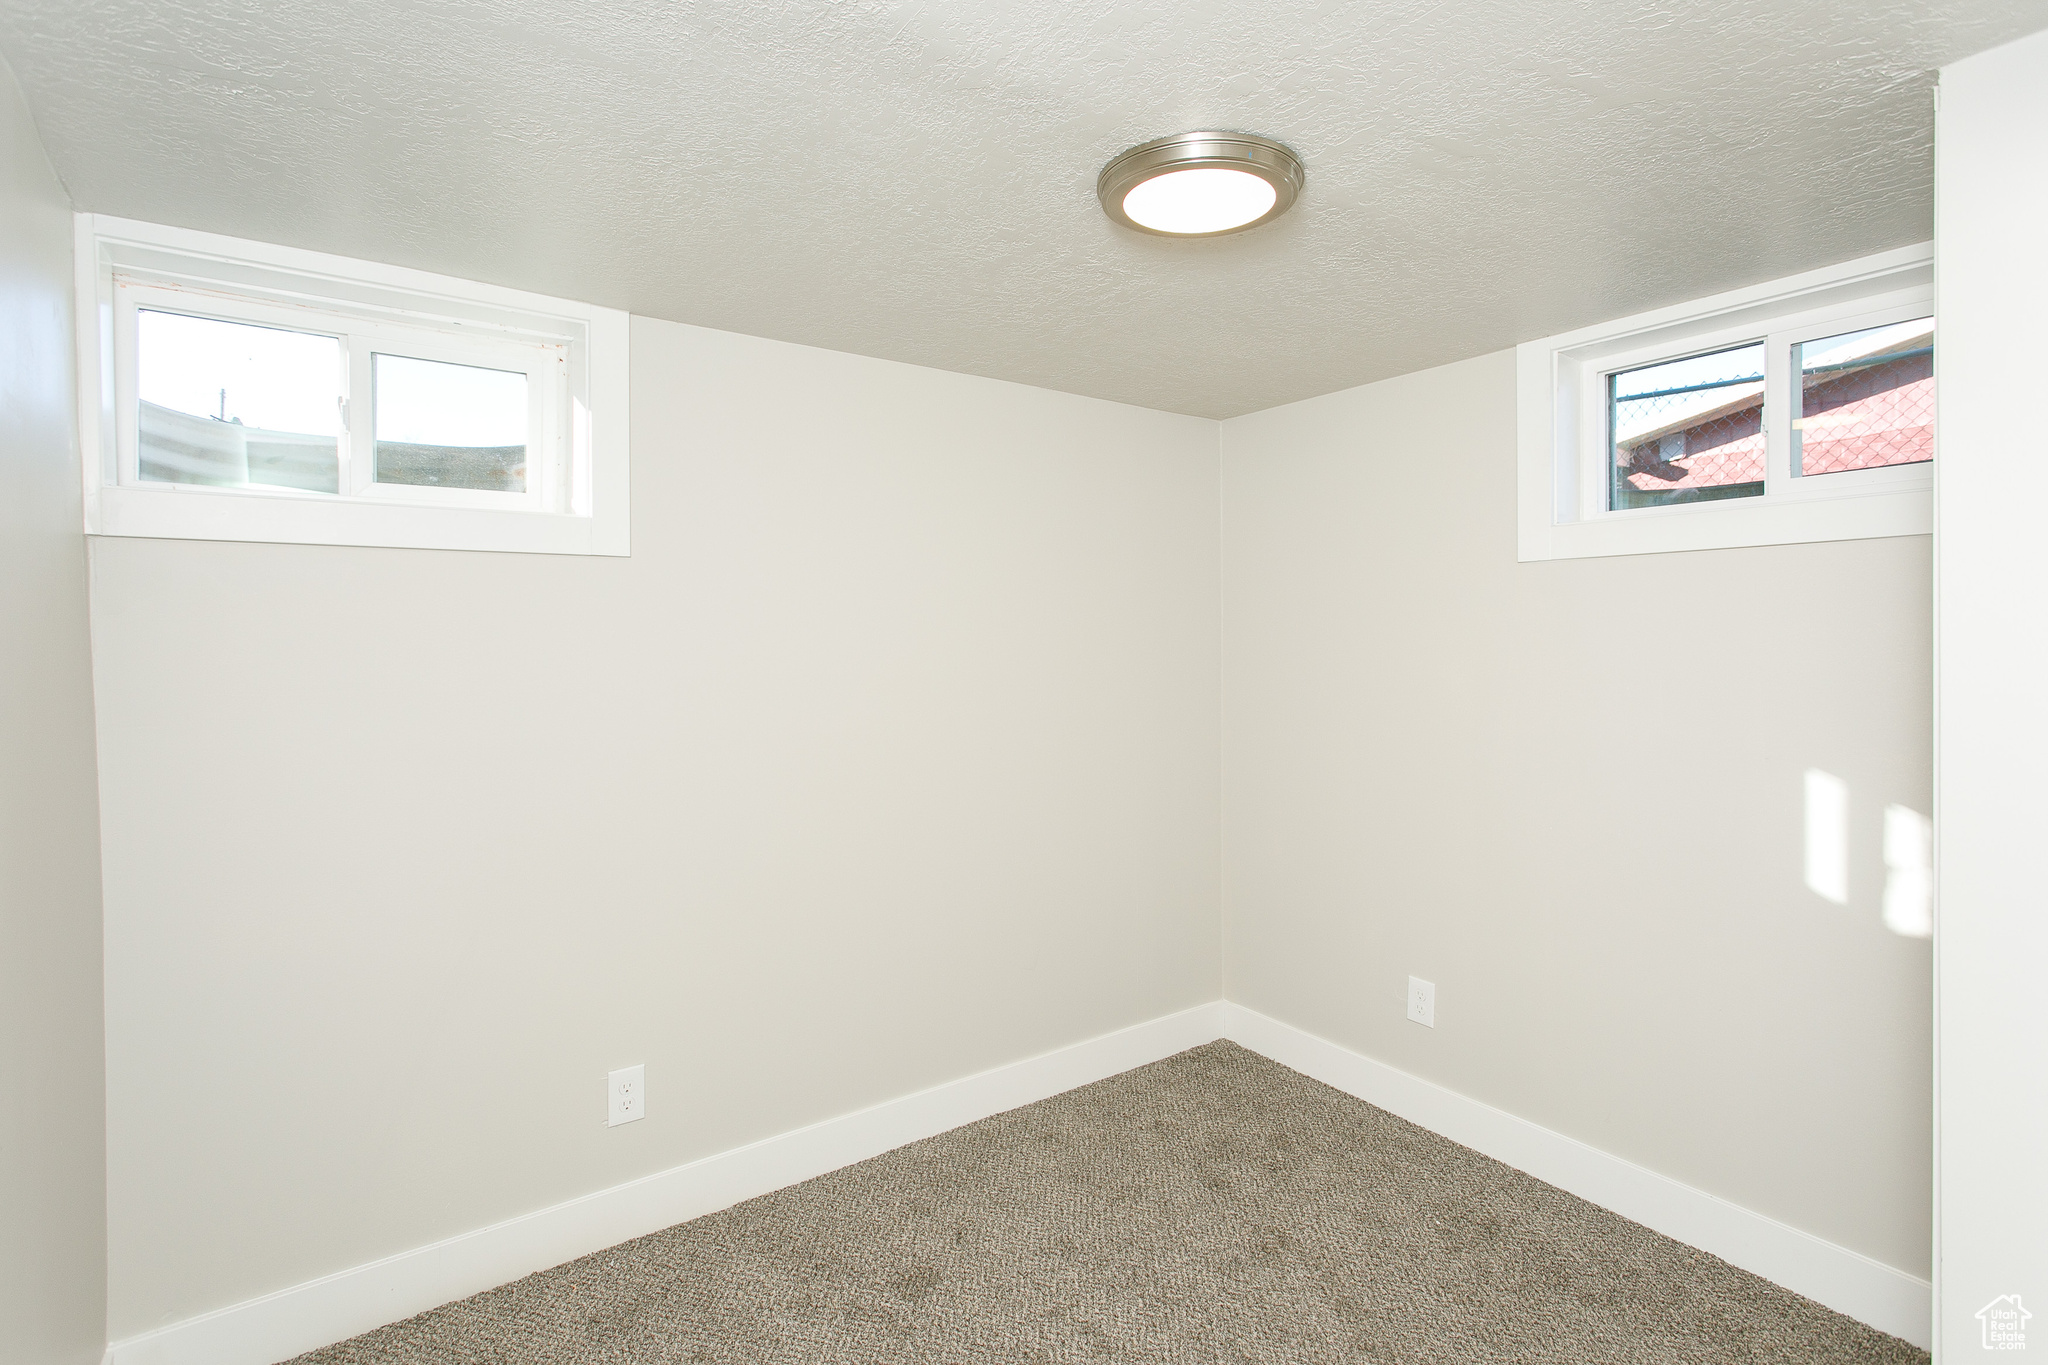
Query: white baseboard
335, 1307
1851, 1284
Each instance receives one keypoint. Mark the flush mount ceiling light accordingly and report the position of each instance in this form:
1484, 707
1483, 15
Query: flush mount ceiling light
1200, 184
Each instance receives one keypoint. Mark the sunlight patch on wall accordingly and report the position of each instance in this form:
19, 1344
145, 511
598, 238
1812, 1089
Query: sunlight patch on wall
1827, 836
1908, 903
1908, 872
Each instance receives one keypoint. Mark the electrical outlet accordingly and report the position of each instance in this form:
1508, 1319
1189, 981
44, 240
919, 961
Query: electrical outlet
627, 1095
1422, 1001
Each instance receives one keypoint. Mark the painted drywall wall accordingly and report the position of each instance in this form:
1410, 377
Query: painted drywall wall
888, 756
1569, 793
52, 1204
1992, 566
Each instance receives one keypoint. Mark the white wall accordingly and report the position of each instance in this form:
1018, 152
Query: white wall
1992, 562
1570, 794
887, 757
52, 1207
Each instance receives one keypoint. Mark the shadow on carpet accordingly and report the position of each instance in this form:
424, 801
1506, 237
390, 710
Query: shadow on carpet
1209, 1209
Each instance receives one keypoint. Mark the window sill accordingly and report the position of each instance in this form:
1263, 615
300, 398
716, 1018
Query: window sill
177, 512
1722, 526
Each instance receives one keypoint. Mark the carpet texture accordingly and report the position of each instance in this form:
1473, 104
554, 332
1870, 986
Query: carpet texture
1213, 1207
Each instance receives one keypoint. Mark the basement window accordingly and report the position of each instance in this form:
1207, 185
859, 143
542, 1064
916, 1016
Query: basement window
1866, 400
1800, 410
254, 392
1687, 430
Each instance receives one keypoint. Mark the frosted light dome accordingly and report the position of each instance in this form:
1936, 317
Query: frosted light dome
1190, 203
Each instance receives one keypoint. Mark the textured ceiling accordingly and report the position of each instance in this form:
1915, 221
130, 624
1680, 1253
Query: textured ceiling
916, 180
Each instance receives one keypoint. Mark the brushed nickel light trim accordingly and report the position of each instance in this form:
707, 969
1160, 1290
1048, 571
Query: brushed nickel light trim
1246, 153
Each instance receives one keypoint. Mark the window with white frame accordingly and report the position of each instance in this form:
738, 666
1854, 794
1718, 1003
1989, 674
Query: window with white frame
1794, 411
254, 392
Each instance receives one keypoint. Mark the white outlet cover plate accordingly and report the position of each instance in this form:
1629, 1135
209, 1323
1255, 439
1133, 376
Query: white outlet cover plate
626, 1095
1422, 1001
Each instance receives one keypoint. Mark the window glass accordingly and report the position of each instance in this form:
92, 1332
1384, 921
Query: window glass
1688, 430
1866, 399
232, 404
450, 426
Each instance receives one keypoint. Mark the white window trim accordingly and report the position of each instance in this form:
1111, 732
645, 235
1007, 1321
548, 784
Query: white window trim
1561, 413
578, 501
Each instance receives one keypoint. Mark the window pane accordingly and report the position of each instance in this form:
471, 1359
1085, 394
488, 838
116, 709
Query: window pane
1688, 430
231, 404
1866, 399
450, 426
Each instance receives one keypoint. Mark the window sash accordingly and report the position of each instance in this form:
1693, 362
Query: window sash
549, 480
1589, 502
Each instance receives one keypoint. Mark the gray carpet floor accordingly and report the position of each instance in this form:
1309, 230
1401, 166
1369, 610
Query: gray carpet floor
1213, 1207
